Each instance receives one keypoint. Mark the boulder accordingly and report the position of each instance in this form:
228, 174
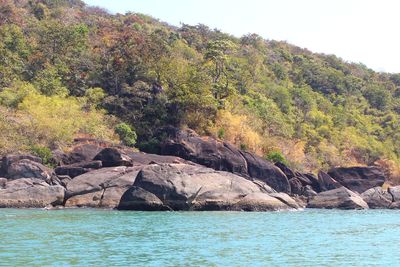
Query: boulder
112, 157
77, 169
314, 181
326, 182
136, 198
202, 150
81, 152
340, 198
264, 170
194, 187
30, 193
140, 158
10, 159
308, 179
285, 198
286, 170
395, 192
358, 179
28, 168
101, 188
296, 186
308, 191
377, 198
70, 171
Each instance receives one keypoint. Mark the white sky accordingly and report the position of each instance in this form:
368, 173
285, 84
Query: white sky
365, 31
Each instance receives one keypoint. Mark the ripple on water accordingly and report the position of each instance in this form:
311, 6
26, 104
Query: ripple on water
111, 238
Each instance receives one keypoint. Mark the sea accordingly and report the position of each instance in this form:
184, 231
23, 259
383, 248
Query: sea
90, 237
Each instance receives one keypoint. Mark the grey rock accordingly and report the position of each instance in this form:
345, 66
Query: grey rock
308, 191
30, 193
101, 188
193, 187
340, 198
26, 168
377, 198
395, 192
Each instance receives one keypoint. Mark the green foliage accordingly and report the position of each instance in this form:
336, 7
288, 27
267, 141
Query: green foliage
276, 156
221, 133
44, 153
12, 96
126, 134
49, 82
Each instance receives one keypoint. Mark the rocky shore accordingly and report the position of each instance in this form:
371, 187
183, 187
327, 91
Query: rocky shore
189, 172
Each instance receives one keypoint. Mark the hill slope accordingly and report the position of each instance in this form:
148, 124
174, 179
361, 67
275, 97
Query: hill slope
269, 97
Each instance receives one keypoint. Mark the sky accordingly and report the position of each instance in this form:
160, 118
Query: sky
361, 31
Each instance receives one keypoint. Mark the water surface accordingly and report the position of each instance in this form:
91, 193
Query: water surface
87, 237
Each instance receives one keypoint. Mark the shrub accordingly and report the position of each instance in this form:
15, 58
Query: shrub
221, 133
44, 153
276, 156
126, 134
54, 121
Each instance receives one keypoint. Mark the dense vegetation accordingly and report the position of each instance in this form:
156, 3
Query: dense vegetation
68, 69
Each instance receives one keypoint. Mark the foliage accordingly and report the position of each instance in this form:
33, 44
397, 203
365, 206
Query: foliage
126, 134
65, 66
276, 156
44, 153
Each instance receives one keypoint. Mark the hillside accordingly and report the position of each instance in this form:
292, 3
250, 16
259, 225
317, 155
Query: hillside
68, 70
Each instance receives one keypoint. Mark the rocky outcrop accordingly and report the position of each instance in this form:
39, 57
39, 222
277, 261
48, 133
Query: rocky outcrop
377, 198
111, 157
296, 186
101, 188
395, 192
358, 179
193, 187
340, 198
220, 156
82, 151
30, 193
27, 166
100, 176
267, 172
326, 182
79, 168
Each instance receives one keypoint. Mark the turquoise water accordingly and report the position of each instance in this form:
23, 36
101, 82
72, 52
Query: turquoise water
112, 238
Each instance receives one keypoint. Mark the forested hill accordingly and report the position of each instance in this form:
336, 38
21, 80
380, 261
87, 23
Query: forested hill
68, 69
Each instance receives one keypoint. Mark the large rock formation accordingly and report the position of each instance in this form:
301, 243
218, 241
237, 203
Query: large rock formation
340, 198
220, 156
103, 188
193, 187
30, 193
358, 179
